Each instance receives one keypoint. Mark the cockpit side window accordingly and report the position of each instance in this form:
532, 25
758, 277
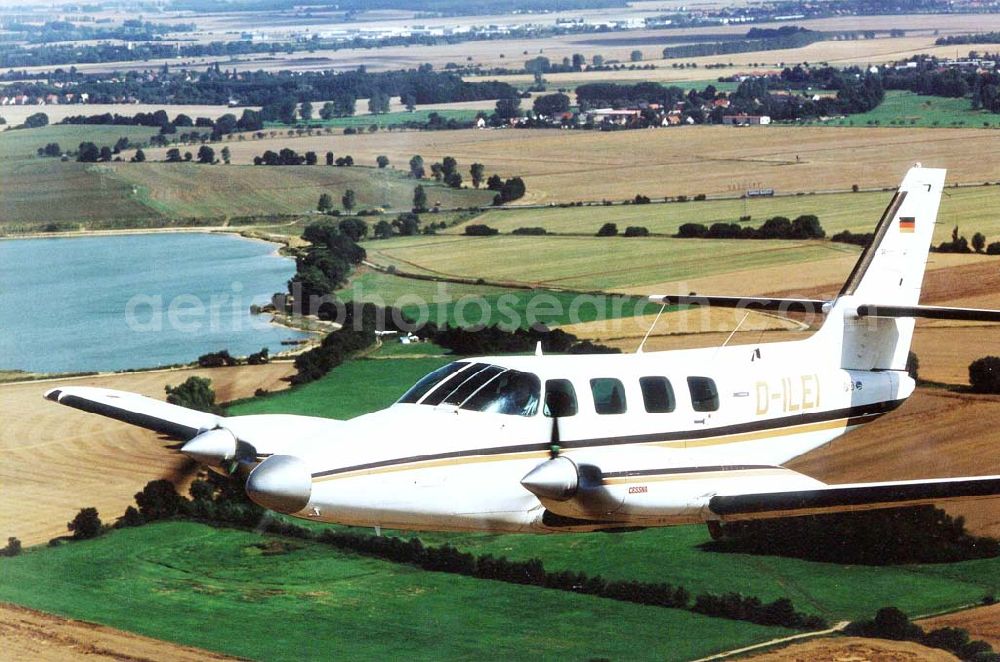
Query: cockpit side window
513, 392
704, 394
431, 380
559, 395
657, 395
446, 387
609, 395
473, 383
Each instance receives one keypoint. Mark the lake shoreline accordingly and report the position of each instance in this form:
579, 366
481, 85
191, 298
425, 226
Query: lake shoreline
237, 340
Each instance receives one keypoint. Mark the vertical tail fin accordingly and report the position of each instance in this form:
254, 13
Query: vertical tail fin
890, 271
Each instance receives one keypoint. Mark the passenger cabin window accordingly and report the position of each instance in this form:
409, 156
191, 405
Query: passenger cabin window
657, 395
473, 383
609, 395
560, 397
431, 380
512, 392
704, 394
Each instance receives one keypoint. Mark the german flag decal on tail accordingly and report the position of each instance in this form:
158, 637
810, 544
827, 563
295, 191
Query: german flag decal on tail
907, 224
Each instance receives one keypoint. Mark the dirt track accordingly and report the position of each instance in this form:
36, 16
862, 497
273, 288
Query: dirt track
853, 649
33, 635
58, 460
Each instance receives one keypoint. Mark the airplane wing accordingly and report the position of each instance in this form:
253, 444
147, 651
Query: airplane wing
165, 418
851, 497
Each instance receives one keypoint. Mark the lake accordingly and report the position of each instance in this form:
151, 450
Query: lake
135, 301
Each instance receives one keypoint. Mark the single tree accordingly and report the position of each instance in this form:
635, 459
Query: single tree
477, 170
348, 200
306, 111
140, 156
327, 111
410, 102
89, 153
383, 230
419, 198
194, 393
635, 56
206, 154
454, 180
508, 107
226, 155
325, 203
329, 158
382, 160
106, 154
417, 167
978, 242
36, 120
608, 230
86, 524
448, 165
310, 158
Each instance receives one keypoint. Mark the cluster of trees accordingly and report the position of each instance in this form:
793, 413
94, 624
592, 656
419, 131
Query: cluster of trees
806, 226
929, 76
196, 392
480, 230
863, 239
13, 547
277, 92
891, 623
507, 190
984, 375
130, 30
959, 244
918, 534
474, 341
226, 124
757, 39
324, 265
973, 38
611, 230
447, 171
857, 91
530, 231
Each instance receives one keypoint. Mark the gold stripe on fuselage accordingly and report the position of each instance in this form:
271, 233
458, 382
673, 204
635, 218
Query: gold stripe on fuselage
501, 457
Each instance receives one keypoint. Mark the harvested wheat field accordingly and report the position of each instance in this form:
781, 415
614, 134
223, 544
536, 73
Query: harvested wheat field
854, 649
982, 623
563, 166
33, 635
58, 460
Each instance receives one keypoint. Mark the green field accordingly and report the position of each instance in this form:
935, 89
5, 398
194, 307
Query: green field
214, 588
39, 191
902, 108
971, 208
591, 263
672, 554
471, 305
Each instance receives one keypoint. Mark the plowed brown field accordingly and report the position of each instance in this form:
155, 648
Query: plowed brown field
58, 460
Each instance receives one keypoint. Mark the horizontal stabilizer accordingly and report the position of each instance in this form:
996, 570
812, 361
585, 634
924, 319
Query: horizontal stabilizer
860, 496
744, 303
929, 312
162, 417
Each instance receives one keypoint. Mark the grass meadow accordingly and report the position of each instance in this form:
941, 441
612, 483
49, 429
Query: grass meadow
469, 305
903, 109
971, 208
225, 590
589, 263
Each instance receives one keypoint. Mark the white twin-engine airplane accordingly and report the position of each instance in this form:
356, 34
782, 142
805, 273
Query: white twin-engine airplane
582, 443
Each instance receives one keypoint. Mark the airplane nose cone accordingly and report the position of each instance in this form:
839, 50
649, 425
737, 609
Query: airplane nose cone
556, 479
281, 483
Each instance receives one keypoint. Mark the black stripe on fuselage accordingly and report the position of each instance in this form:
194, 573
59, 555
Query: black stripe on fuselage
854, 415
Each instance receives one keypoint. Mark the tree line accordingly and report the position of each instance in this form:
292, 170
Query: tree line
891, 623
806, 226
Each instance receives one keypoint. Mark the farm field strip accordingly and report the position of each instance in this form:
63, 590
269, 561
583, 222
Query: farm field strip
565, 166
191, 583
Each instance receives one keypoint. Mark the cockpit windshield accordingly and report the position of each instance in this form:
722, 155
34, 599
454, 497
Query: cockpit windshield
478, 387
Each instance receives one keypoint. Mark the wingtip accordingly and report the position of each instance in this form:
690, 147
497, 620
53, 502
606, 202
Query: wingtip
53, 394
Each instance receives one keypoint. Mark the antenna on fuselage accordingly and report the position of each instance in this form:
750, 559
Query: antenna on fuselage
650, 329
